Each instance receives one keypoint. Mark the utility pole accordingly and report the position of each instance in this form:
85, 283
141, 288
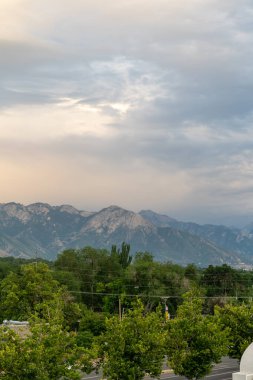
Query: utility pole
167, 315
166, 309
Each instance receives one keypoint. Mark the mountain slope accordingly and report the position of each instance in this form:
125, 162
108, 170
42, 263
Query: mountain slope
39, 229
232, 240
43, 230
114, 225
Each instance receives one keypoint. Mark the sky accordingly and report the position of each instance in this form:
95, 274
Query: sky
140, 103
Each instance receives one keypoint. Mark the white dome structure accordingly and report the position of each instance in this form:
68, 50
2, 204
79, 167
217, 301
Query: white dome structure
246, 365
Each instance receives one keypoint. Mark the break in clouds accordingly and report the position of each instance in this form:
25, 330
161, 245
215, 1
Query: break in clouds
140, 103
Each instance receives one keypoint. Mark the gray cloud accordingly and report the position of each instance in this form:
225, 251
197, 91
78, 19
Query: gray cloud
135, 86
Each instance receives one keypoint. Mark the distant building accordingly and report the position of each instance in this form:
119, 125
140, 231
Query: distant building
19, 327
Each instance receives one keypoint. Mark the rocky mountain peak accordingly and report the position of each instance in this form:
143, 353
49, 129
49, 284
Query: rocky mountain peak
48, 230
114, 217
73, 211
39, 208
69, 209
15, 210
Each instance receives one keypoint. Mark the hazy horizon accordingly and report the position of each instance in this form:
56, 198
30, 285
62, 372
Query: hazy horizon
142, 104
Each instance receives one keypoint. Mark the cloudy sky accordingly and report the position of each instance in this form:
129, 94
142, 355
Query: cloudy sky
139, 103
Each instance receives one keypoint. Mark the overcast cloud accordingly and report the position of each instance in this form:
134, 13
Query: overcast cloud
140, 103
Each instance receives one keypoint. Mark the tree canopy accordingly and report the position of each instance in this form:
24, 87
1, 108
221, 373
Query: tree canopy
194, 341
47, 352
133, 347
33, 289
239, 320
78, 300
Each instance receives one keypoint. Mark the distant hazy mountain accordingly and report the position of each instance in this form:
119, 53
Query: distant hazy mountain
158, 220
38, 229
43, 230
240, 242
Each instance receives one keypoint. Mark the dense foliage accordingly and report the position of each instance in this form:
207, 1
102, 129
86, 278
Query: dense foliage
94, 307
133, 347
47, 352
195, 341
239, 320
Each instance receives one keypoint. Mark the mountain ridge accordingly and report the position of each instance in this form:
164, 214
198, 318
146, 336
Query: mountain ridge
230, 239
40, 229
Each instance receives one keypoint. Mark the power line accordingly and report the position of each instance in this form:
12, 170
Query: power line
153, 271
157, 296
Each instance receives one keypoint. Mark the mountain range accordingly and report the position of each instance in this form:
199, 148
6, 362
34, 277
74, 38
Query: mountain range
42, 230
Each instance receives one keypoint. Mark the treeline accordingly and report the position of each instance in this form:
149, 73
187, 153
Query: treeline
94, 308
98, 278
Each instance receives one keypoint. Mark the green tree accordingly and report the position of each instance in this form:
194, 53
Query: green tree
194, 342
133, 347
70, 281
221, 281
152, 279
96, 270
192, 273
46, 352
238, 318
123, 254
34, 290
92, 324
